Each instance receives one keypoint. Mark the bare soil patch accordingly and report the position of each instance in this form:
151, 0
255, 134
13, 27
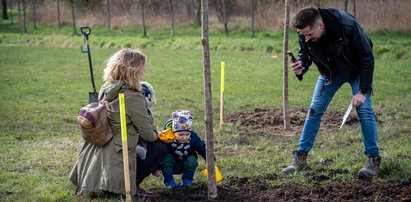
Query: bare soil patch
256, 189
270, 121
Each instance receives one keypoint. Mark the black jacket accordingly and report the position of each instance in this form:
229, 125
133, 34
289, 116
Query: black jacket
348, 44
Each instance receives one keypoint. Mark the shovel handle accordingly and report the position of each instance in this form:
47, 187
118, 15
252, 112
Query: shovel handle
85, 30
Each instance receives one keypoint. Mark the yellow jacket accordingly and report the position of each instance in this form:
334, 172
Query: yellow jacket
167, 136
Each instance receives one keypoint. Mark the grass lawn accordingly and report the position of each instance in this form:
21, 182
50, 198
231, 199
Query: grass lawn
43, 86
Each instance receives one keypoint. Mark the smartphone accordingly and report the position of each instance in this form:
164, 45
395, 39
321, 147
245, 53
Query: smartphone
294, 60
292, 56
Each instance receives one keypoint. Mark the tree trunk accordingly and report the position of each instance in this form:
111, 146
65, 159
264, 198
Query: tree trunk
108, 15
58, 15
171, 18
73, 14
34, 13
143, 25
18, 10
194, 10
225, 18
24, 15
4, 4
252, 9
197, 11
354, 8
346, 5
11, 13
287, 124
212, 184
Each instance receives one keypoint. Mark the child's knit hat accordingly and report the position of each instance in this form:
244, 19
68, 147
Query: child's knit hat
182, 120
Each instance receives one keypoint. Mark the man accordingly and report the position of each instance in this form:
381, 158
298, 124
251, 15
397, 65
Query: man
338, 46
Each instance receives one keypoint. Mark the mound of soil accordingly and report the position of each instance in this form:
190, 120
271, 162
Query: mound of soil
270, 121
252, 189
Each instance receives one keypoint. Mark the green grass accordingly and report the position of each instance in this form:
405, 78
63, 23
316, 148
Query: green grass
43, 83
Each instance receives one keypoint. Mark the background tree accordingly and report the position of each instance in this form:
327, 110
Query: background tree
4, 5
345, 5
197, 10
287, 124
252, 9
73, 15
24, 4
171, 17
58, 15
354, 8
19, 10
224, 9
143, 25
108, 15
10, 10
225, 18
33, 5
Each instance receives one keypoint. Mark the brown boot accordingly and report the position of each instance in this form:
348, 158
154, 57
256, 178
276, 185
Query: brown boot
299, 162
371, 169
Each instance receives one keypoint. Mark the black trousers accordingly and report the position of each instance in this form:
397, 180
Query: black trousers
156, 152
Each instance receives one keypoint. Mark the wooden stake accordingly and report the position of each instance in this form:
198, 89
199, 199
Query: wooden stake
125, 146
222, 95
287, 123
212, 184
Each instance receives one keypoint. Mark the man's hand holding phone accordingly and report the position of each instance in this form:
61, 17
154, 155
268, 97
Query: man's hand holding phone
296, 66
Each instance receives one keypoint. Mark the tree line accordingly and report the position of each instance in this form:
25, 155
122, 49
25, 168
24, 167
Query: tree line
193, 8
264, 13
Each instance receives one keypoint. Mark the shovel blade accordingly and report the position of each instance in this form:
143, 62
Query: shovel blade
92, 97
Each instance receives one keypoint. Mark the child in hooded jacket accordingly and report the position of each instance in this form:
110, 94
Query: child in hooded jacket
184, 145
149, 94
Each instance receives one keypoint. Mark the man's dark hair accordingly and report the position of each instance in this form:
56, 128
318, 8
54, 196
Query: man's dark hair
306, 16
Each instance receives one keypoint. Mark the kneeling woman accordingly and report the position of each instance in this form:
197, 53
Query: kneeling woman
101, 168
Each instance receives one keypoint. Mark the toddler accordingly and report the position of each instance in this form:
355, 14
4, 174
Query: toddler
184, 145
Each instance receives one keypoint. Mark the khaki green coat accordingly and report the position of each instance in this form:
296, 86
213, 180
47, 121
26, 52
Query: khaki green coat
101, 168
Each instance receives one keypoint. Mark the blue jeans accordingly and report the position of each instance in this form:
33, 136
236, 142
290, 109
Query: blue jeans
323, 94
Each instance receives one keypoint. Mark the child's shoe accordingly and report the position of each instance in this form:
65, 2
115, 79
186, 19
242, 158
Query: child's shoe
169, 180
187, 179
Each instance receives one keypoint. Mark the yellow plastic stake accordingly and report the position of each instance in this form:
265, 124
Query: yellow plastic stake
222, 95
222, 76
123, 117
125, 146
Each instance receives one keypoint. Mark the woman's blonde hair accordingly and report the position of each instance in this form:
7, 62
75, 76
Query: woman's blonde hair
126, 65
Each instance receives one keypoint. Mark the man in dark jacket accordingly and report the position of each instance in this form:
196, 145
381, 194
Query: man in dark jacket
338, 46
